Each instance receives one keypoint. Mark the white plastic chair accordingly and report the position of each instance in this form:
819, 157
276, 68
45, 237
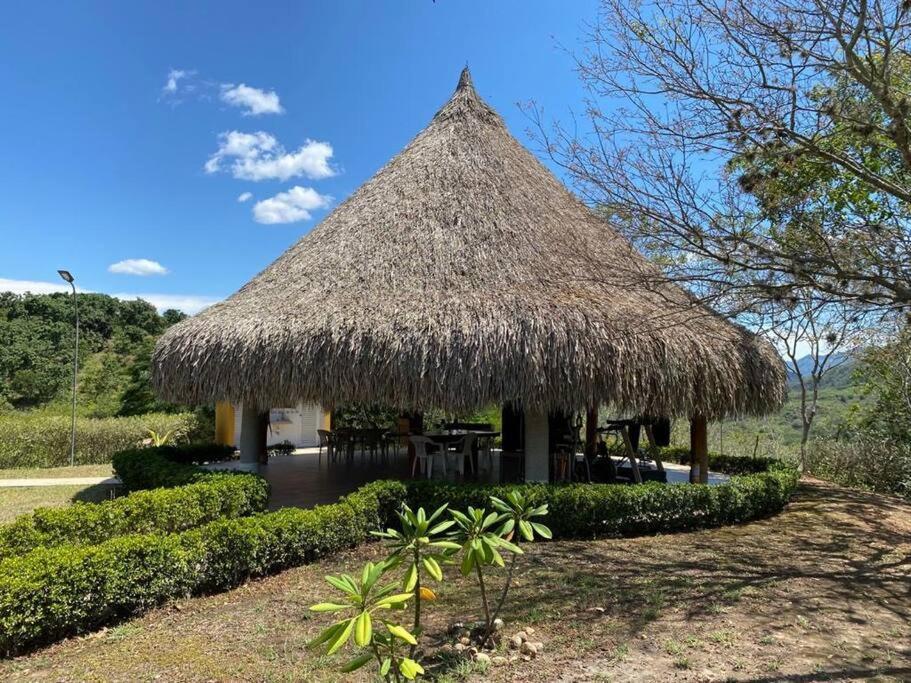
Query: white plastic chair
421, 455
462, 453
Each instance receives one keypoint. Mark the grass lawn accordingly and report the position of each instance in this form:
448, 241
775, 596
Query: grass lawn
57, 472
820, 592
19, 500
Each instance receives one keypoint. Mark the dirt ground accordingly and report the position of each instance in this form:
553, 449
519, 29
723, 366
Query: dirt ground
821, 592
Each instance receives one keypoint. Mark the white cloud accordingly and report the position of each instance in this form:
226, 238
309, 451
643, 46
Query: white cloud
259, 156
137, 266
253, 100
245, 196
33, 286
175, 76
291, 206
188, 303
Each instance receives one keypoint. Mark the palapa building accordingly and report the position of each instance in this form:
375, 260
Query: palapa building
463, 275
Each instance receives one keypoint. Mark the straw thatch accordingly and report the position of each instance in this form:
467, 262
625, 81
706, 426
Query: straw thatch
464, 274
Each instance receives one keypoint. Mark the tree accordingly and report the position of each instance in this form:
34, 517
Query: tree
753, 147
811, 335
886, 371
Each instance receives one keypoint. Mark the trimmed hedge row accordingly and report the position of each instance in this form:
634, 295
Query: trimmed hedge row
53, 593
597, 510
149, 468
40, 440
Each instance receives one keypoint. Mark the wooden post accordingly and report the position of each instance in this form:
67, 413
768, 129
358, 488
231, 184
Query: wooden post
631, 453
591, 433
699, 449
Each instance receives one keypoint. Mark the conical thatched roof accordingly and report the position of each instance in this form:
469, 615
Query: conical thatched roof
464, 274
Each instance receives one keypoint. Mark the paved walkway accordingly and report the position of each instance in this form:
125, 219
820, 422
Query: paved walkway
59, 481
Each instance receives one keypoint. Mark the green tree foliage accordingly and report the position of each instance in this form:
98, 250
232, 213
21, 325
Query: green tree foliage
115, 344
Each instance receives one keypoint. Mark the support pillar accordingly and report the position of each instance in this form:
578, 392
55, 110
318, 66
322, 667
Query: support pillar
699, 450
224, 423
537, 450
591, 433
254, 426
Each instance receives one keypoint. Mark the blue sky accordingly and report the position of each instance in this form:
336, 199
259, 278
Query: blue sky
133, 129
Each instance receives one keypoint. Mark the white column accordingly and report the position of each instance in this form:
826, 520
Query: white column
249, 439
537, 455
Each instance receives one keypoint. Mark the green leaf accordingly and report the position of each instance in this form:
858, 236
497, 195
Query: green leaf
327, 607
433, 568
511, 547
449, 545
327, 634
363, 629
341, 638
401, 633
467, 563
385, 666
439, 511
526, 530
441, 527
342, 585
396, 599
411, 577
490, 519
542, 531
357, 662
410, 668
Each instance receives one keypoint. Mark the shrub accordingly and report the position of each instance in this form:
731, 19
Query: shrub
53, 593
866, 462
40, 440
593, 510
162, 510
725, 463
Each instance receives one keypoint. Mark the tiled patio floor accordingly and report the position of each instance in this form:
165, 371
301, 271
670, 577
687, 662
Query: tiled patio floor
304, 479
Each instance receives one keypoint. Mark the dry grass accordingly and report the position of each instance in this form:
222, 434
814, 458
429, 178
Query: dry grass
464, 275
820, 592
57, 472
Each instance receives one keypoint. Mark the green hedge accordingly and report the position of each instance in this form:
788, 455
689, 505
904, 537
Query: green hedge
728, 464
150, 468
163, 510
53, 593
40, 440
596, 510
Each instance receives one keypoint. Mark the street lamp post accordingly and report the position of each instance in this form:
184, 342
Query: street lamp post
67, 277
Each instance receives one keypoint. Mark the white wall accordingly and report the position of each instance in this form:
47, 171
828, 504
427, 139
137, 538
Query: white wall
297, 425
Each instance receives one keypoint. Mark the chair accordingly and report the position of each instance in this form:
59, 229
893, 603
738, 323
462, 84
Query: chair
420, 444
466, 451
324, 442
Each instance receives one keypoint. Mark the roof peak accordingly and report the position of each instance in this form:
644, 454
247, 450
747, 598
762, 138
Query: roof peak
465, 82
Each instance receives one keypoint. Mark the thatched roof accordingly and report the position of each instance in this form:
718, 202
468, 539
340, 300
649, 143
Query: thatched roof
464, 274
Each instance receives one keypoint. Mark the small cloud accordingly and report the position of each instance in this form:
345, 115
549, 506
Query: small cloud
291, 206
254, 100
259, 156
137, 266
245, 196
172, 84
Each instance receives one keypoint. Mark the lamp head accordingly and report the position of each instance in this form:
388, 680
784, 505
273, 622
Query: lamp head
65, 274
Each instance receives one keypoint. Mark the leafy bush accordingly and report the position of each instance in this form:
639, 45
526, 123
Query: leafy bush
593, 510
40, 440
875, 464
163, 510
727, 464
51, 593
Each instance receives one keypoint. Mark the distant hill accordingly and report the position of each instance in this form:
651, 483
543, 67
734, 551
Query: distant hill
839, 376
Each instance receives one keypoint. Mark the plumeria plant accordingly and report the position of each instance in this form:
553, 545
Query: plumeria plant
423, 545
362, 607
420, 545
518, 511
481, 536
